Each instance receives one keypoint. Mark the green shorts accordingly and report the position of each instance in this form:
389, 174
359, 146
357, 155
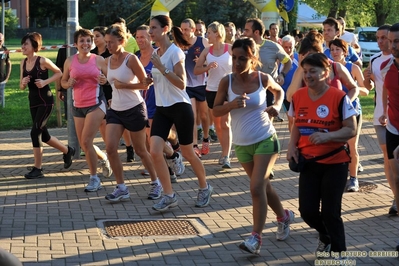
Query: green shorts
245, 154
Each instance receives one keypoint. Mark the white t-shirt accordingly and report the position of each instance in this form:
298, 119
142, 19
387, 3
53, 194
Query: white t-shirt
376, 61
167, 94
349, 37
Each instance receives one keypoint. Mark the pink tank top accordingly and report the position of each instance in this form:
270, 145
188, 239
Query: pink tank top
335, 82
86, 90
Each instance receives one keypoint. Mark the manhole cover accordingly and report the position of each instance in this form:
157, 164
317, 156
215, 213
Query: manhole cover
152, 228
366, 186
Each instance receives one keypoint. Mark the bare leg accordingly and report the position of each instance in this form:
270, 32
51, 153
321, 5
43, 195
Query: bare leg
161, 168
139, 143
258, 172
114, 133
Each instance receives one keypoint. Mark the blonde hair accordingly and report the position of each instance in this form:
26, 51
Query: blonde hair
218, 28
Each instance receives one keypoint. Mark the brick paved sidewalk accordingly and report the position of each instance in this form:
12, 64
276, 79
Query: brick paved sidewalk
52, 221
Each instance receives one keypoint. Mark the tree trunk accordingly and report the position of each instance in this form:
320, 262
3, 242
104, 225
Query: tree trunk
342, 13
380, 15
334, 9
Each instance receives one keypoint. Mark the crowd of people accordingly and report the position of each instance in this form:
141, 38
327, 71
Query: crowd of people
166, 98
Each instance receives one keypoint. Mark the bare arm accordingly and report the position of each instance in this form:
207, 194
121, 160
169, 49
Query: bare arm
296, 83
177, 76
219, 108
23, 81
292, 151
368, 78
138, 70
277, 91
384, 116
65, 81
199, 65
347, 131
358, 75
347, 80
8, 69
46, 63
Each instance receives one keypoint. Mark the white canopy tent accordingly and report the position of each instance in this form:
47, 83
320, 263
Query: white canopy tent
308, 17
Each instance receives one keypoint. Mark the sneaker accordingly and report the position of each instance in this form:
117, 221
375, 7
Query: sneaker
226, 163
165, 203
94, 185
145, 172
212, 134
82, 153
106, 168
360, 168
353, 185
68, 157
177, 164
200, 133
197, 152
283, 228
271, 175
35, 173
278, 119
173, 178
393, 210
205, 148
118, 194
155, 191
129, 154
204, 196
251, 245
221, 159
322, 247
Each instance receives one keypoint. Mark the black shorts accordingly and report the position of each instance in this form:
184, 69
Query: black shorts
392, 142
179, 114
210, 98
133, 119
196, 92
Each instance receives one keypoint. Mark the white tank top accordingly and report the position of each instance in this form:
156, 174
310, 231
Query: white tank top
123, 99
225, 64
251, 124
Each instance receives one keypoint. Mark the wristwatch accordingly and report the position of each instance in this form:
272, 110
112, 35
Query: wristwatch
167, 71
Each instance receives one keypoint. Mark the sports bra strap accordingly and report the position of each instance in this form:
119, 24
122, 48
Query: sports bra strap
211, 50
226, 47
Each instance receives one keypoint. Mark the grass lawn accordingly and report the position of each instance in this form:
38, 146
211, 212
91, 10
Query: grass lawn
16, 113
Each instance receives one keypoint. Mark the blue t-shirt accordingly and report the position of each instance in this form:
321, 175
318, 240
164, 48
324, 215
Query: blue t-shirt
290, 74
149, 95
356, 102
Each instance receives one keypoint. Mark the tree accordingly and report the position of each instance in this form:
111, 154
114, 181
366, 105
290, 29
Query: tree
10, 23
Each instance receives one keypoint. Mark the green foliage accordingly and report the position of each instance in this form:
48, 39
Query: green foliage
10, 23
89, 20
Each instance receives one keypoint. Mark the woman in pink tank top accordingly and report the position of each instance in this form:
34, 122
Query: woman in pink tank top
83, 73
220, 54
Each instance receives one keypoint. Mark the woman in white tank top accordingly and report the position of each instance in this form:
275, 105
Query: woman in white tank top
254, 137
127, 110
218, 57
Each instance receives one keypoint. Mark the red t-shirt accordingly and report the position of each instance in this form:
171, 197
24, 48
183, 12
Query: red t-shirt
322, 115
391, 83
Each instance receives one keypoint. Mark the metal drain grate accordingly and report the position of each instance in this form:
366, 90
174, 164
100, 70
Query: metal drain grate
146, 228
366, 186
